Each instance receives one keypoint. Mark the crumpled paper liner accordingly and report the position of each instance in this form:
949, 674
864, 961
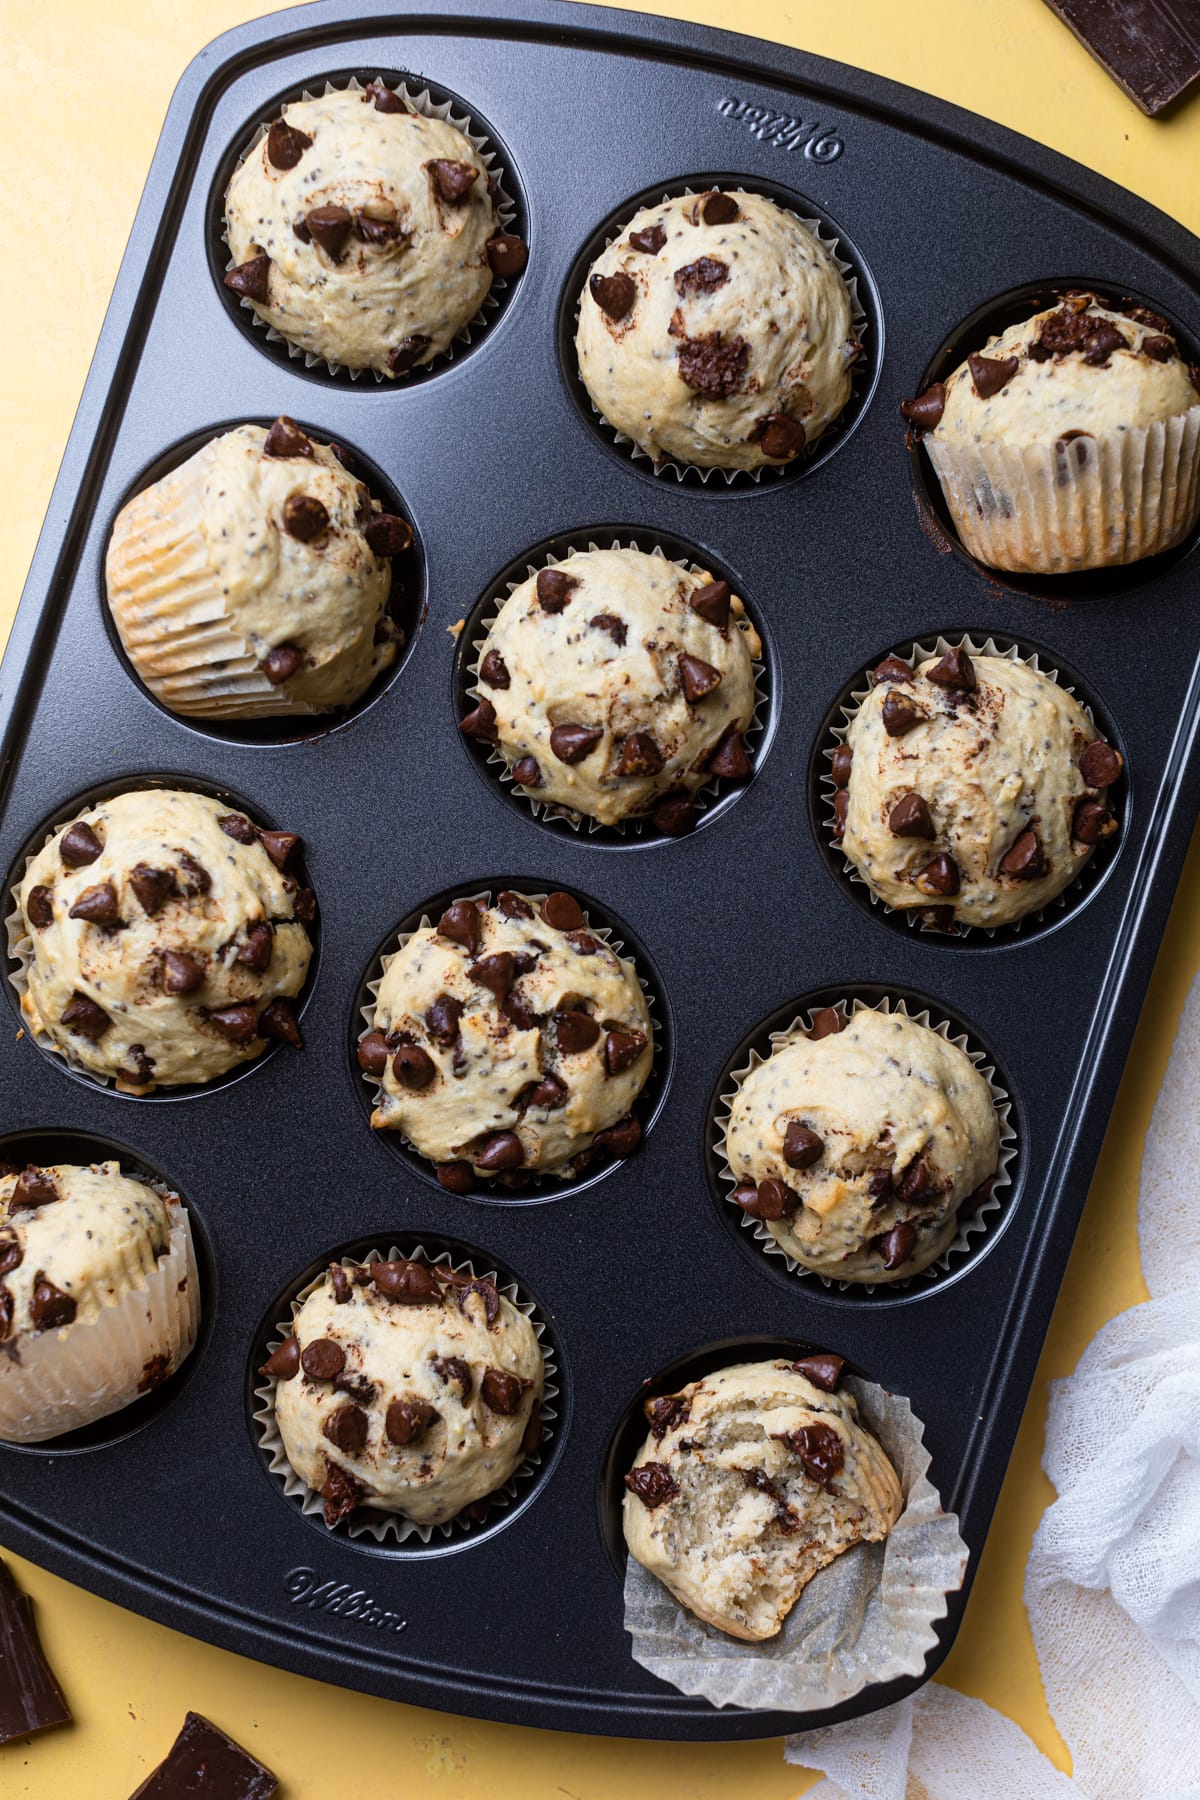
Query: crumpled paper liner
53, 1382
394, 1528
1088, 503
867, 1617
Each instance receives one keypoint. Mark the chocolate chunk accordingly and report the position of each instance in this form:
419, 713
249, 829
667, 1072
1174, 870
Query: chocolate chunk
513, 906
323, 1359
701, 277
715, 208
1142, 315
622, 1049
480, 723
387, 534
49, 1307
279, 846
640, 755
281, 663
609, 622
98, 905
255, 953
39, 908
441, 1021
494, 670
408, 353
286, 145
329, 226
675, 815
840, 765
278, 1020
621, 1139
455, 1373
251, 279
284, 1361
304, 519
712, 367
899, 714
377, 232
499, 1150
896, 1245
1158, 349
613, 294
925, 412
342, 1495
698, 677
30, 1697
346, 1428
650, 241
1024, 858
1100, 764
1074, 329
729, 758
826, 1023
801, 1147
535, 1431
238, 827
192, 878
562, 912
452, 179
575, 1032
84, 1018
413, 1067
182, 973
841, 812
285, 439
383, 99
507, 254
407, 1420
955, 670
782, 436
32, 1188
822, 1368
406, 1283
712, 603
554, 589
666, 1413
1091, 824
989, 374
652, 1483
78, 846
496, 972
501, 1391
203, 1761
939, 877
910, 817
546, 1095
460, 923
238, 1023
820, 1451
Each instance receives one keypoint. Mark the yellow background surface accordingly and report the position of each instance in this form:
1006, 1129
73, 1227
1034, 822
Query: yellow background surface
83, 90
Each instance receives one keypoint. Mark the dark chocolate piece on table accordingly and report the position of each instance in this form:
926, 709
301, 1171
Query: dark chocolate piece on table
1151, 51
30, 1697
202, 1760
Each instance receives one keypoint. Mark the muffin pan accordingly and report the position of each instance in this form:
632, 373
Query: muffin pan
643, 1268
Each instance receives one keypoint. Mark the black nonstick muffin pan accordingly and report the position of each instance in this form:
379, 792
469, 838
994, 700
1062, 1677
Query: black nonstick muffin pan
637, 1269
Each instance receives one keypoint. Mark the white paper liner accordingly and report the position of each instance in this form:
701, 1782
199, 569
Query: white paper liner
606, 936
968, 1226
859, 324
419, 100
53, 1382
565, 815
923, 648
388, 1528
867, 1617
1098, 502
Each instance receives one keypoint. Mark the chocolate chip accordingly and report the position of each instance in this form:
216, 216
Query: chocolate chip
989, 374
675, 815
729, 758
281, 663
407, 1420
820, 1451
278, 1020
896, 1245
771, 1200
78, 846
494, 670
329, 226
563, 912
1072, 328
441, 1021
455, 1373
621, 1139
891, 669
899, 714
546, 1095
480, 723
98, 905
192, 878
711, 366
33, 1188
387, 534
49, 1307
376, 231
584, 944
716, 208
666, 1413
413, 1067
251, 279
286, 145
501, 1391
650, 241
916, 1182
455, 1177
499, 1150
304, 518
571, 743
652, 1483
301, 230
613, 294
496, 972
575, 1032
279, 846
925, 412
841, 812
1143, 316
622, 1049
323, 1359
513, 906
955, 670
452, 179
238, 827
84, 1018
341, 1493
406, 1283
609, 622
283, 1362
285, 438
826, 1023
408, 353
507, 254
1158, 349
527, 773
840, 765
782, 436
346, 1428
460, 923
823, 1369
341, 1284
801, 1147
939, 877
304, 906
701, 277
255, 953
373, 1053
238, 1023
1100, 764
151, 886
910, 817
6, 1312
554, 589
712, 603
698, 677
383, 98
39, 908
535, 1431
1024, 857
182, 973
1092, 822
640, 755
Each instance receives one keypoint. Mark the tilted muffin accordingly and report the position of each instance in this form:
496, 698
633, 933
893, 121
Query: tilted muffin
971, 788
749, 1482
616, 683
717, 330
99, 1297
509, 1040
254, 579
406, 1388
160, 940
857, 1143
365, 233
1072, 442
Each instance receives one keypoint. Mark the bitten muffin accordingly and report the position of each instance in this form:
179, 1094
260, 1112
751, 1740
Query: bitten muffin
255, 578
857, 1143
509, 1041
748, 1483
99, 1298
365, 233
971, 789
616, 683
1071, 442
717, 330
160, 939
406, 1388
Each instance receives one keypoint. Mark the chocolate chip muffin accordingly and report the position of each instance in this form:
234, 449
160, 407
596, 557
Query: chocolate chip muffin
1072, 441
717, 331
366, 233
406, 1388
971, 789
99, 1299
856, 1142
509, 1041
160, 939
615, 684
254, 579
749, 1482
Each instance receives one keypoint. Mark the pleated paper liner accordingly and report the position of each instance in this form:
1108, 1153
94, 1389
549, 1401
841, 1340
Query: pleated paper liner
387, 1529
539, 1183
434, 103
973, 1224
864, 371
1089, 872
640, 828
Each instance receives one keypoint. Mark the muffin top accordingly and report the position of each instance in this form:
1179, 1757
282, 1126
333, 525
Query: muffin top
1075, 369
360, 230
615, 678
72, 1241
406, 1388
254, 579
717, 330
977, 788
749, 1482
856, 1149
508, 1037
164, 942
